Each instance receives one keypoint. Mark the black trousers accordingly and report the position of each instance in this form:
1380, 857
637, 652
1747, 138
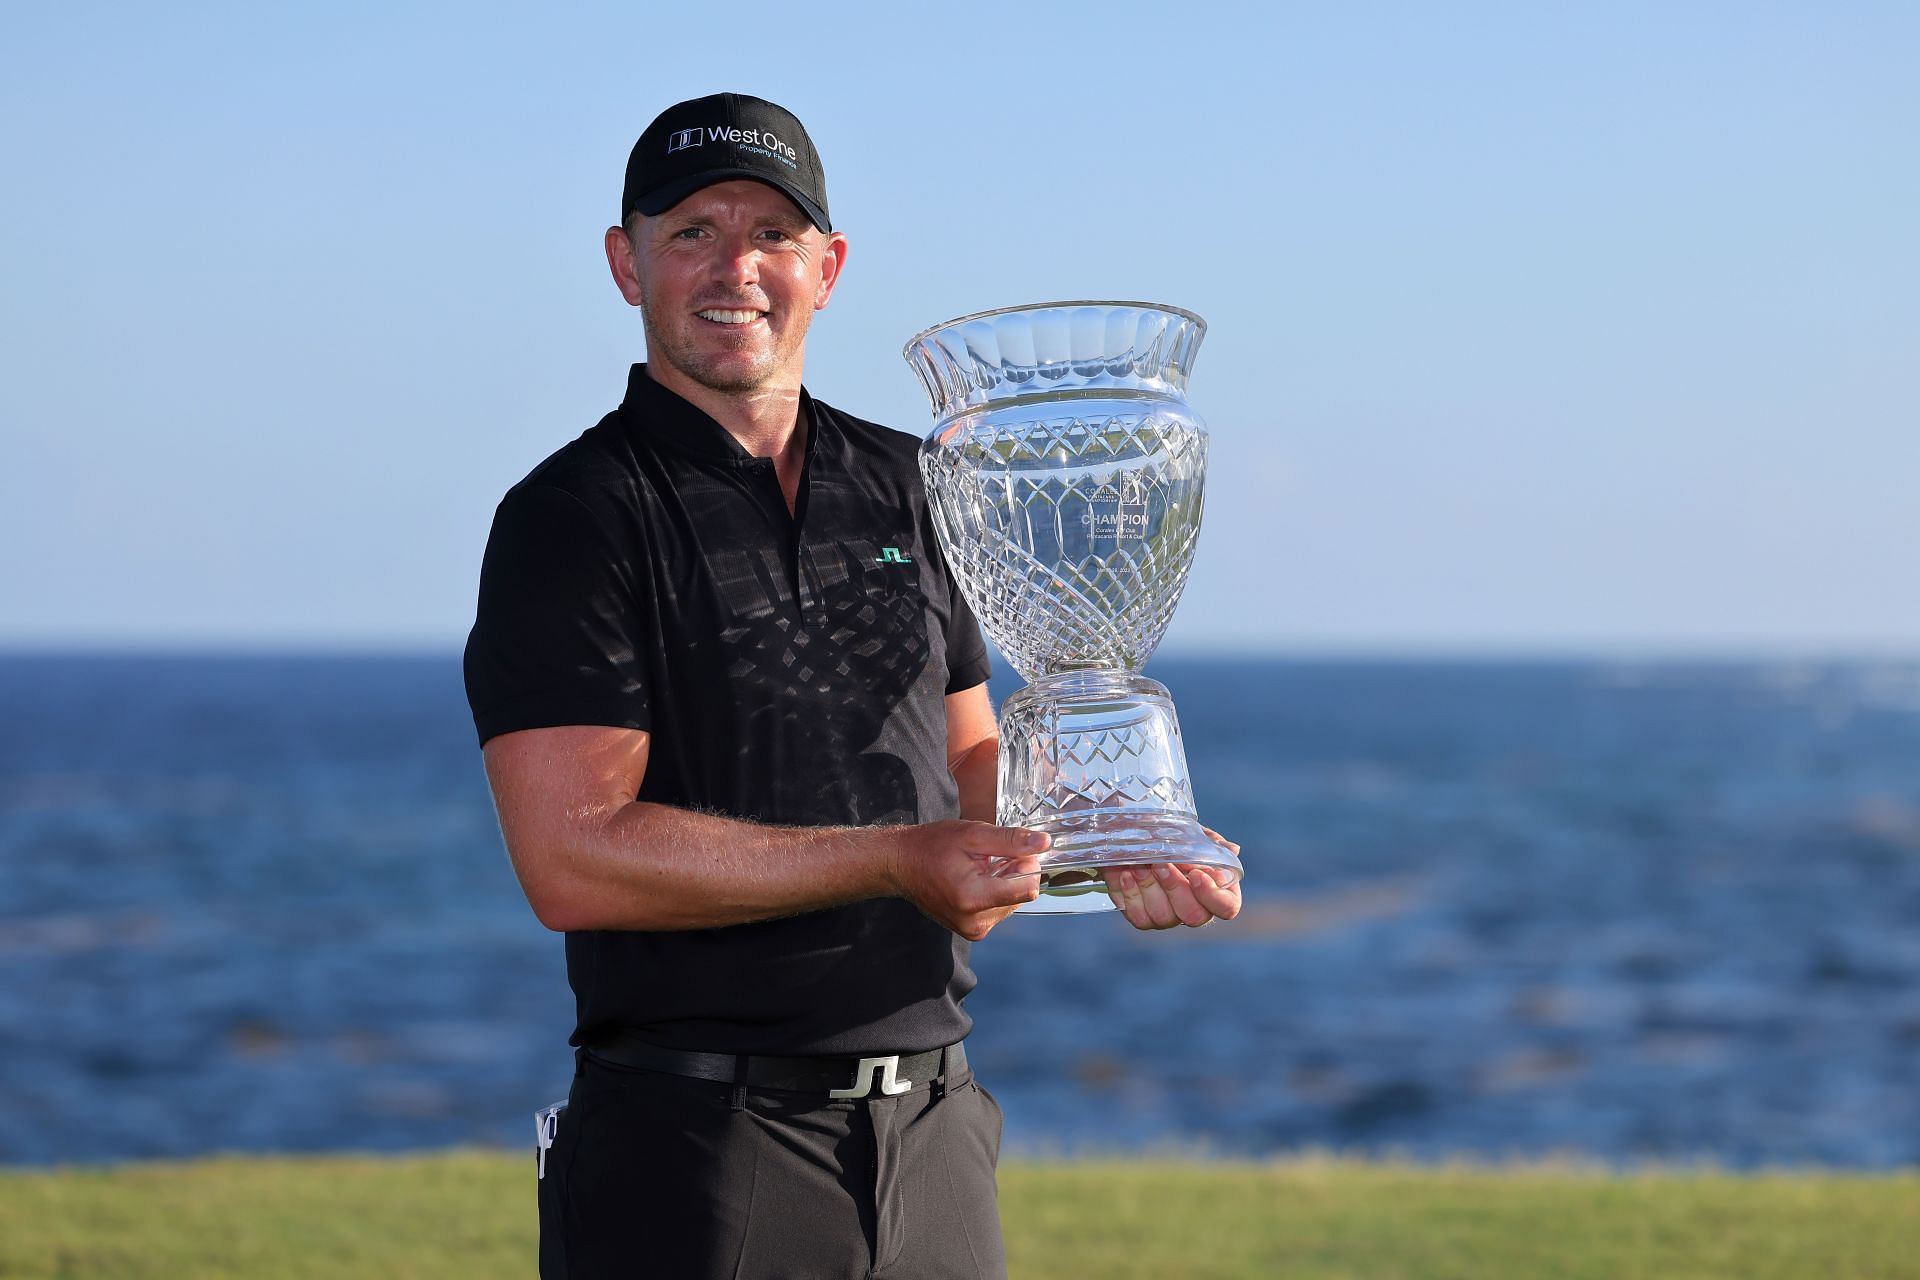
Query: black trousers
654, 1175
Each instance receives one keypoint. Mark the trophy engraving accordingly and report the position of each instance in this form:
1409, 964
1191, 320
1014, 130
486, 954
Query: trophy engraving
1066, 474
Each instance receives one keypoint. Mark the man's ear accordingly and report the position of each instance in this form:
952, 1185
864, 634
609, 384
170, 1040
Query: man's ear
620, 262
831, 261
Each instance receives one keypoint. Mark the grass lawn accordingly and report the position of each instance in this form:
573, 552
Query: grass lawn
469, 1214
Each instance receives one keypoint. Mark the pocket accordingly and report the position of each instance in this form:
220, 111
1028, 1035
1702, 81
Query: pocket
657, 1175
998, 1117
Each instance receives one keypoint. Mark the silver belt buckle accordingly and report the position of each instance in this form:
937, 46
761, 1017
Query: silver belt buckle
863, 1077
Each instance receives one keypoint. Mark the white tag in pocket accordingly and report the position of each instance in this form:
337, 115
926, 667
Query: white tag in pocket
546, 1123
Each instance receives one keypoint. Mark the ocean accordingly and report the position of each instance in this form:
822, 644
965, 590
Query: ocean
1630, 911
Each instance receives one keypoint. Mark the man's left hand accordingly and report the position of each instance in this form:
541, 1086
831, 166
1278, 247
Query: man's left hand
1162, 895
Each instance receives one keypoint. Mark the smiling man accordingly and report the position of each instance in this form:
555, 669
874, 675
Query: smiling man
734, 715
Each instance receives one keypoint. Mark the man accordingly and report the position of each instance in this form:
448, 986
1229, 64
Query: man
734, 716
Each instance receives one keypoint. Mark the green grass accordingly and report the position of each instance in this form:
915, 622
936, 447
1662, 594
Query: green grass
469, 1215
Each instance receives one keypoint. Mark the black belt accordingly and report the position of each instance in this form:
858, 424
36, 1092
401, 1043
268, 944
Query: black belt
836, 1077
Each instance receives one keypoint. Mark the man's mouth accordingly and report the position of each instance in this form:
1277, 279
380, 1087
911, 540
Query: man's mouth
720, 315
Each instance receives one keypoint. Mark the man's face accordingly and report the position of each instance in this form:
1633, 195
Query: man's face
728, 281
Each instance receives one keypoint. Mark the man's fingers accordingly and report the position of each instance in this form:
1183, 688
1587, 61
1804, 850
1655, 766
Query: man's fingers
1031, 842
1186, 908
1016, 852
1001, 887
992, 902
973, 874
1140, 897
1215, 889
1133, 896
1014, 868
1013, 852
990, 841
1221, 877
1222, 841
1117, 887
1150, 906
1167, 895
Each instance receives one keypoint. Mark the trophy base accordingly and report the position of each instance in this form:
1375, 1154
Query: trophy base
1093, 758
1085, 843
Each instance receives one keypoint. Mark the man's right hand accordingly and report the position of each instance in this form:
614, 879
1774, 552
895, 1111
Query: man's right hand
968, 875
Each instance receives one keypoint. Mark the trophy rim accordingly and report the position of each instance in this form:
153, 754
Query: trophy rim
1164, 307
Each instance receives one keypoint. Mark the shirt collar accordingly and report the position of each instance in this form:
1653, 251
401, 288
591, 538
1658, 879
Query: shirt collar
667, 418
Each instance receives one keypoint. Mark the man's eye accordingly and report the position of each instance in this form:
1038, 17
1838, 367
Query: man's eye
774, 233
687, 233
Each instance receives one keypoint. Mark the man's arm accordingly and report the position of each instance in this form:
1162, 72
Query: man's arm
590, 856
973, 751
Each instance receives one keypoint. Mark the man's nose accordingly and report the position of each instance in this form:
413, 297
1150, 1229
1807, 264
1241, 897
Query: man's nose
738, 263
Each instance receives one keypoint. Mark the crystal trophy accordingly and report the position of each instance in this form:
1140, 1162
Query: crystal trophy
1066, 475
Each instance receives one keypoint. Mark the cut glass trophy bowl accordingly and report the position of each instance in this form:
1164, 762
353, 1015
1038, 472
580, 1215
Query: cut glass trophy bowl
1066, 475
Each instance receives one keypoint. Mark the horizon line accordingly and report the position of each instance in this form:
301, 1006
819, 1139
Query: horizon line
1645, 651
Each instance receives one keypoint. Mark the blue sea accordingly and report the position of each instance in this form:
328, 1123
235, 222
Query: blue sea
1634, 911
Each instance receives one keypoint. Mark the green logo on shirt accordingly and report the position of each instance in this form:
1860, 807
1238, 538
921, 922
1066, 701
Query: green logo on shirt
893, 555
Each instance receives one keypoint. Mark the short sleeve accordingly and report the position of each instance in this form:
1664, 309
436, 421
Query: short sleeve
967, 662
552, 635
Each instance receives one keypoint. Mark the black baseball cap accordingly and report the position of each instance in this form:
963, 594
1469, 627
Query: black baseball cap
697, 143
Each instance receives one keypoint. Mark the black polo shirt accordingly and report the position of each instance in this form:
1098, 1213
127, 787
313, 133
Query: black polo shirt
792, 668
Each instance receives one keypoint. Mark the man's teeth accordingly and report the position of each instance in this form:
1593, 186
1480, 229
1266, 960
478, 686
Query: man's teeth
729, 317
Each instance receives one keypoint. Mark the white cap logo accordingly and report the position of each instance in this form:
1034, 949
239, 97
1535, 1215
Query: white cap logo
682, 140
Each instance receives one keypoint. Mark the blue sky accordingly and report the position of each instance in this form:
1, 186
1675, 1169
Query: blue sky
1534, 328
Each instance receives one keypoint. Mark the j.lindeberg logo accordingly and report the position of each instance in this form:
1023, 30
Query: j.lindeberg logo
682, 140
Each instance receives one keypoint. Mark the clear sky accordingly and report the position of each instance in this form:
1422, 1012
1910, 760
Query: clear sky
1533, 327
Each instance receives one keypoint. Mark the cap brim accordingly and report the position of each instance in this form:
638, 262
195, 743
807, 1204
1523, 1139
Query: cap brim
664, 198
